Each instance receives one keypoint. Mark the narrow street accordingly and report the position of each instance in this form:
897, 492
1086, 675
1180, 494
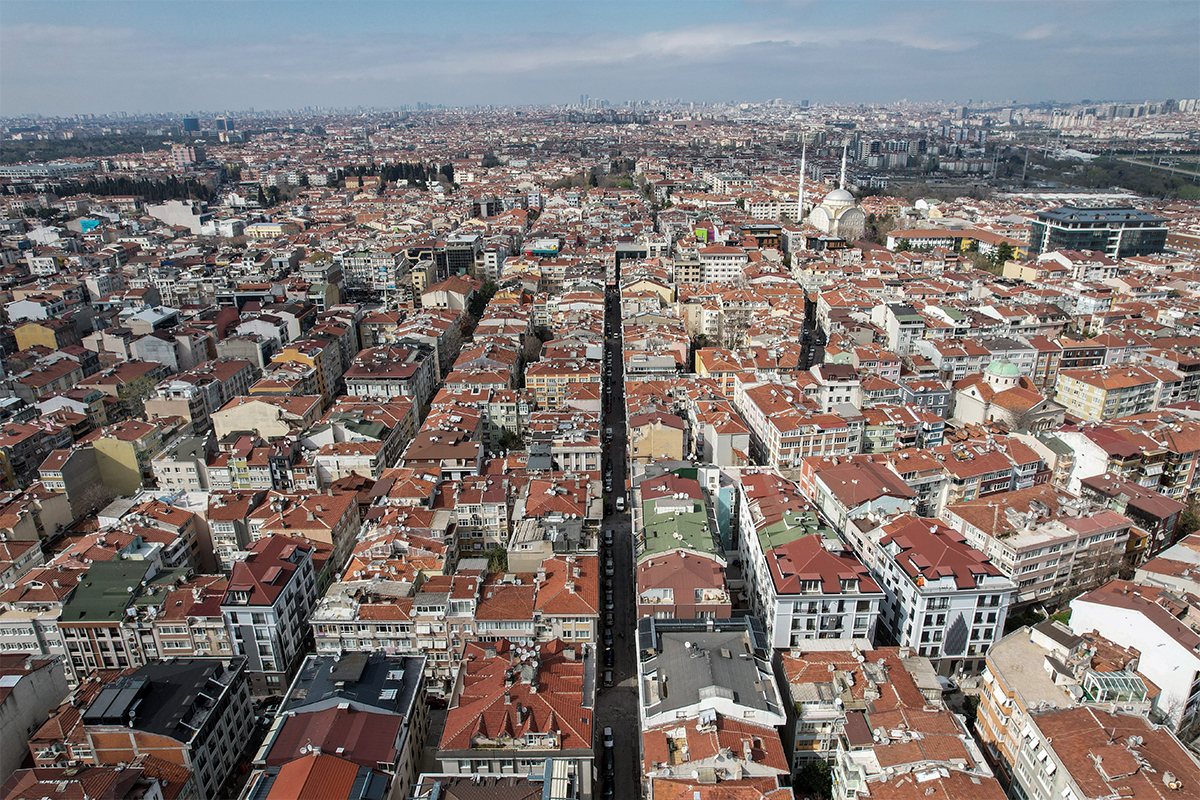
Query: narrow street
616, 707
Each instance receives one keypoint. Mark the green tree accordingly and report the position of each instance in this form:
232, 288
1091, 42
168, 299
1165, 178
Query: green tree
971, 711
741, 203
903, 246
813, 780
510, 441
1189, 523
481, 298
1002, 254
497, 558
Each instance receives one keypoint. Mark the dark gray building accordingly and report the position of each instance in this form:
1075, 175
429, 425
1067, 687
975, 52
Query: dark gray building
1116, 232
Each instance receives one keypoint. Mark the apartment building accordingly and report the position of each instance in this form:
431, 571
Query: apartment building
1046, 541
1047, 667
192, 712
786, 428
1068, 753
503, 716
1153, 621
367, 708
1104, 393
266, 607
943, 598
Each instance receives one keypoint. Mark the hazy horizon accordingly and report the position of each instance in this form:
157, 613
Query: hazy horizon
104, 57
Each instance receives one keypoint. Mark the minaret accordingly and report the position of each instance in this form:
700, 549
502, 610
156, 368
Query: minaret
842, 185
800, 187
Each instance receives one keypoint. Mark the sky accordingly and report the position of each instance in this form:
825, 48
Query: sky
99, 56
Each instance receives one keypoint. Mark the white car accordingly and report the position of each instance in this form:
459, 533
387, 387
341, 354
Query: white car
608, 738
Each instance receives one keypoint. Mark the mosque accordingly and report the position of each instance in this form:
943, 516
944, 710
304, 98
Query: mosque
838, 214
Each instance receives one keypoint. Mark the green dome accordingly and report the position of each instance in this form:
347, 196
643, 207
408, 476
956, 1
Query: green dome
1005, 369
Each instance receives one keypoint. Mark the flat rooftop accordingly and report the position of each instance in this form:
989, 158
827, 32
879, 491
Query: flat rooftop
1020, 664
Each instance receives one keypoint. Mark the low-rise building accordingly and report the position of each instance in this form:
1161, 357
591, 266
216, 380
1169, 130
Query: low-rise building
368, 708
504, 715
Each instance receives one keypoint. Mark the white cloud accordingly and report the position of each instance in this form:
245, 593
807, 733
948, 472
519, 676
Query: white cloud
1040, 32
63, 35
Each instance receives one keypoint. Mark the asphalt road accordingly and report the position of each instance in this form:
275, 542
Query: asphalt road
616, 707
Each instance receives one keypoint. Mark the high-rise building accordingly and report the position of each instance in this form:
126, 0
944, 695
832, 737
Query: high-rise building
191, 125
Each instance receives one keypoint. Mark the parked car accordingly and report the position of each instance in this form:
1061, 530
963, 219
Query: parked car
947, 684
621, 504
608, 657
608, 678
609, 566
608, 538
608, 637
608, 738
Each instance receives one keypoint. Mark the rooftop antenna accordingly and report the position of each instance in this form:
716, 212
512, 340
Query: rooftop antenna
842, 185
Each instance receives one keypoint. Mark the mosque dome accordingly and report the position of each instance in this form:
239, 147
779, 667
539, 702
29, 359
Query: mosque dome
1004, 369
838, 197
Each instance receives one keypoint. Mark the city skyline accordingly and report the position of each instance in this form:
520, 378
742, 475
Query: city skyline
274, 55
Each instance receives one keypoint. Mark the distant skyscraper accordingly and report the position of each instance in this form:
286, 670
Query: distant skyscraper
191, 125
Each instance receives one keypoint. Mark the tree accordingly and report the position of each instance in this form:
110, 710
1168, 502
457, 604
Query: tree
481, 298
971, 711
510, 441
1002, 254
903, 246
813, 780
497, 558
1189, 523
261, 198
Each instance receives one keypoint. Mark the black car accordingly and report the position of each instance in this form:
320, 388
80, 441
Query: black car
608, 657
609, 766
